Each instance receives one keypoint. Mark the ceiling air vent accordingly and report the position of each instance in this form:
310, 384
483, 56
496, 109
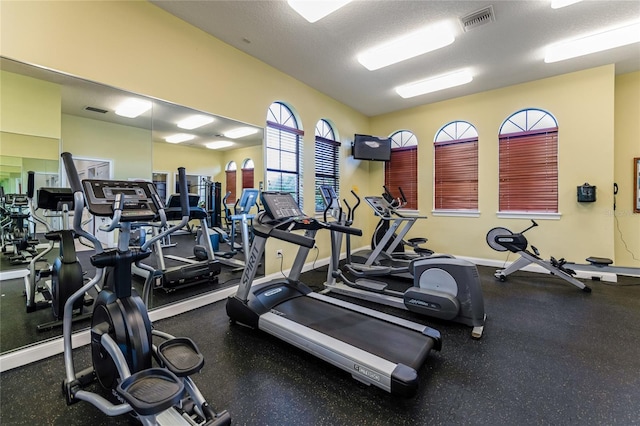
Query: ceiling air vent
94, 109
478, 18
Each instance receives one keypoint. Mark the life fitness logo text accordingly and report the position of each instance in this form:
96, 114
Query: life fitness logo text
272, 292
366, 372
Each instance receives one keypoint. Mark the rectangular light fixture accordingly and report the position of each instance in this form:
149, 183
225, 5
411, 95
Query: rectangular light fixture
194, 122
605, 40
557, 4
131, 108
314, 10
408, 46
218, 144
240, 132
179, 137
434, 84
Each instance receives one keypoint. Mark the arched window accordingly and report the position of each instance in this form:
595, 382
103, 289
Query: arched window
402, 170
327, 160
455, 178
247, 173
230, 174
284, 151
529, 162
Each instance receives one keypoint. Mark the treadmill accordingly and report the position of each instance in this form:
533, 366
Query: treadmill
375, 348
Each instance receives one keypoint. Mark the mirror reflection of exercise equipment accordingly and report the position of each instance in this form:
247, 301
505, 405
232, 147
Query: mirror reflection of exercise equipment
66, 275
122, 349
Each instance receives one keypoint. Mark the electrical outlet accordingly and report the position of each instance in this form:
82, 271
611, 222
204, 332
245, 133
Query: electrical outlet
279, 253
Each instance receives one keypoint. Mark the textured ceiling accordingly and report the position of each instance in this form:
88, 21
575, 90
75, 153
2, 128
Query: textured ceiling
323, 55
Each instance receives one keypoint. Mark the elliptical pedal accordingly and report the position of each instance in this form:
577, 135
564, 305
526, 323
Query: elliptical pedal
151, 391
181, 356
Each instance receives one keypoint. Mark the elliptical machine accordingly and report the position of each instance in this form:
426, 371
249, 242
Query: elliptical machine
443, 287
66, 272
121, 334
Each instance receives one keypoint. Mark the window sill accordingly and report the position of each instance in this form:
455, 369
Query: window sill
529, 215
456, 213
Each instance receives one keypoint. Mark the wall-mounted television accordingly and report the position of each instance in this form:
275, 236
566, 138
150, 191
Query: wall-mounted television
366, 147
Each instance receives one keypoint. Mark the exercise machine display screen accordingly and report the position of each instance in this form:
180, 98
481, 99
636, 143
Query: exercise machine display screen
138, 198
280, 205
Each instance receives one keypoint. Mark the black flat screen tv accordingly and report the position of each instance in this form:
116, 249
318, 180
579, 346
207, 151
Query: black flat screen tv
372, 148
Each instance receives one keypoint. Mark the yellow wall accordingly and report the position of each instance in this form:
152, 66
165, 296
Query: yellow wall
29, 106
627, 147
227, 82
128, 147
586, 154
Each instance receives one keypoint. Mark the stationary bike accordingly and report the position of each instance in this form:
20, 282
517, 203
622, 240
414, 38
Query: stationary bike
121, 333
443, 287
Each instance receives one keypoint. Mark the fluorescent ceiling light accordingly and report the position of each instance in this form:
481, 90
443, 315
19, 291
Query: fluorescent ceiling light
218, 144
131, 108
414, 44
557, 4
194, 122
314, 10
179, 137
434, 84
594, 43
240, 132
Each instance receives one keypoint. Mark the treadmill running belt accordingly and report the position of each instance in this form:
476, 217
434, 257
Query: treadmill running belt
386, 340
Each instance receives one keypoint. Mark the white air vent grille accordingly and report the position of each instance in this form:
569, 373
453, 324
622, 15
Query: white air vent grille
478, 18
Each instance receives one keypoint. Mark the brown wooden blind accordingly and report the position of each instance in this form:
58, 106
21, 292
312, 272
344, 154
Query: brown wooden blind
529, 171
247, 178
402, 171
456, 175
231, 186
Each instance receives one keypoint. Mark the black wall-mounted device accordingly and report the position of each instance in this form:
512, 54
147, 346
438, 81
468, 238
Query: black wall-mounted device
586, 193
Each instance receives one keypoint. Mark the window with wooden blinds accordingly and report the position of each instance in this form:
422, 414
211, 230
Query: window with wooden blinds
247, 178
283, 156
402, 169
327, 161
231, 185
456, 175
529, 171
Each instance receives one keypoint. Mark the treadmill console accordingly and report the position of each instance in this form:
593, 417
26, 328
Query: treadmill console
138, 198
280, 205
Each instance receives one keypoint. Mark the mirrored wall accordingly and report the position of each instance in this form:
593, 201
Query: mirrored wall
45, 113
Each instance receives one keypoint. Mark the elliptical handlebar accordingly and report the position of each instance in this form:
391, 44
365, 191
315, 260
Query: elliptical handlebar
185, 210
352, 211
78, 201
31, 179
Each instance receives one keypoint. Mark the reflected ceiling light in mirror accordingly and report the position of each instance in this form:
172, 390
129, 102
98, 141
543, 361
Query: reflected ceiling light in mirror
434, 84
219, 144
314, 10
605, 40
179, 137
557, 4
131, 108
195, 121
240, 132
408, 46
